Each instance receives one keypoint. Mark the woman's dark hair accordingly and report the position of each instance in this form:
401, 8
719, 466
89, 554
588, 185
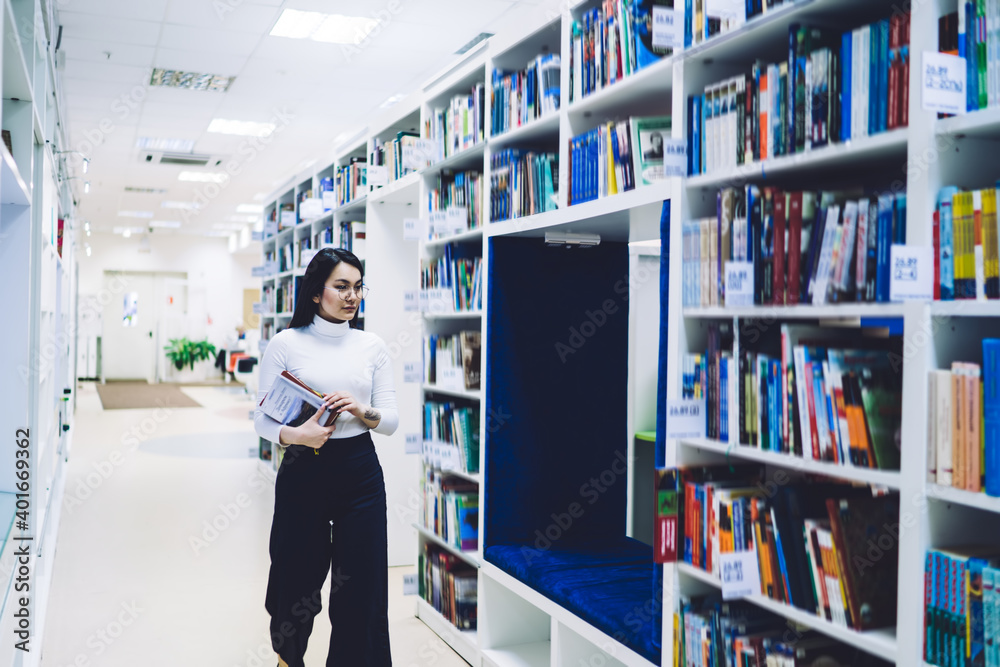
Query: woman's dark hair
313, 282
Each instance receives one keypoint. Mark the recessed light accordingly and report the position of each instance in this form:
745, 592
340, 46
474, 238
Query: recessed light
395, 99
172, 145
146, 191
171, 224
203, 176
183, 205
243, 128
249, 208
319, 27
127, 232
172, 78
135, 214
88, 250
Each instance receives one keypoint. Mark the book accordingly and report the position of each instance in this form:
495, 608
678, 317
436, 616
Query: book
646, 148
292, 402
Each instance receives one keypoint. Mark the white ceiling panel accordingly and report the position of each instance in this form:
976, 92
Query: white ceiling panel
192, 100
106, 71
199, 61
210, 40
109, 28
451, 12
146, 10
236, 16
107, 89
102, 51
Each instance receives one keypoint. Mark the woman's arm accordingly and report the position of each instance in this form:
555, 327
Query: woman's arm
383, 415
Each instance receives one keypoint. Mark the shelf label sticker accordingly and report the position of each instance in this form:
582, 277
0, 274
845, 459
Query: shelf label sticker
377, 174
329, 199
739, 574
259, 271
674, 160
439, 223
288, 219
912, 273
414, 443
271, 268
410, 586
942, 83
311, 208
419, 154
271, 228
413, 229
450, 378
439, 300
686, 418
739, 283
424, 299
412, 372
458, 217
258, 308
306, 257
668, 28
256, 236
411, 301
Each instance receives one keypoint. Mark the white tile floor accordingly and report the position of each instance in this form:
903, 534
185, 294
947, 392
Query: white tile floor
139, 578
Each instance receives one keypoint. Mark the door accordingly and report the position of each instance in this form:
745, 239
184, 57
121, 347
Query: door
129, 327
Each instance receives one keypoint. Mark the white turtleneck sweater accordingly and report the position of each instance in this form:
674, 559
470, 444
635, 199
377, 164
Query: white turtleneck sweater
331, 357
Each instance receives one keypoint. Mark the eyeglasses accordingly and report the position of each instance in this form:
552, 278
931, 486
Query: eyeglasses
344, 290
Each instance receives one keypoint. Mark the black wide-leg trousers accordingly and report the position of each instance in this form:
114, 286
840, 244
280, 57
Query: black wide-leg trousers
343, 483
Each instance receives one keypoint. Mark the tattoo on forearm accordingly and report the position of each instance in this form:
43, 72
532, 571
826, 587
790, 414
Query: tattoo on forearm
373, 415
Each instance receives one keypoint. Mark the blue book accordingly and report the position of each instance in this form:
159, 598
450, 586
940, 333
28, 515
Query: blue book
991, 414
781, 556
946, 253
873, 78
846, 58
899, 219
688, 24
967, 50
883, 75
793, 31
883, 244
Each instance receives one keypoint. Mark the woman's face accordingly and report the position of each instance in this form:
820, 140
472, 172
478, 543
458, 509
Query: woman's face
339, 302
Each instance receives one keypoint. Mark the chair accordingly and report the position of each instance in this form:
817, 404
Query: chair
246, 373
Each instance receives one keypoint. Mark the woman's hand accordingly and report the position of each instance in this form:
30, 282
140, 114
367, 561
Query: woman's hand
344, 401
310, 433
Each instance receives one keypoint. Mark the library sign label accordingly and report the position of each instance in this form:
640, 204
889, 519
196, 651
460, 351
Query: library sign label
739, 283
943, 81
668, 28
739, 574
686, 418
912, 273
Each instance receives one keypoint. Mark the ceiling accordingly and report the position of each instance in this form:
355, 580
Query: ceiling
313, 92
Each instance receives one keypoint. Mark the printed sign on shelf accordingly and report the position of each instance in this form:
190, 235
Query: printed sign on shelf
943, 81
256, 236
911, 275
668, 28
414, 442
288, 219
258, 271
458, 219
377, 174
258, 308
439, 301
439, 224
271, 227
739, 283
451, 378
311, 208
412, 372
739, 574
410, 586
411, 301
271, 268
307, 256
686, 418
329, 199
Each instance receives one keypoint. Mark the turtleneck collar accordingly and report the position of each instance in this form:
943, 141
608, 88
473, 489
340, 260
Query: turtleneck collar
330, 329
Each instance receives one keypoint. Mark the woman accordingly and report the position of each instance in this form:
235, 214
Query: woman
330, 474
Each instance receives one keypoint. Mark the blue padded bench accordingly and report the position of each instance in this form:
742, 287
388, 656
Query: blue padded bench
610, 588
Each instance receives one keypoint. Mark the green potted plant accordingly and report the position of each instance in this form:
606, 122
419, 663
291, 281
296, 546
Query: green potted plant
184, 352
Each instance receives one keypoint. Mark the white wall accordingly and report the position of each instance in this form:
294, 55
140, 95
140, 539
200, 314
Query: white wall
216, 277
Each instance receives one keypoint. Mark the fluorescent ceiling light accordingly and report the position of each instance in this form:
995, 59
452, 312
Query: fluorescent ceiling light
203, 176
172, 145
319, 27
249, 208
145, 191
231, 226
392, 101
243, 128
172, 78
171, 224
183, 205
244, 218
88, 251
135, 214
126, 231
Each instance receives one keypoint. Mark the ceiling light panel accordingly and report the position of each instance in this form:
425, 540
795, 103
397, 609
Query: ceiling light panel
172, 145
180, 205
172, 78
145, 191
319, 27
135, 214
168, 224
244, 128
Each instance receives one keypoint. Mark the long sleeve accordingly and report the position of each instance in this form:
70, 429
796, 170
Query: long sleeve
271, 366
384, 394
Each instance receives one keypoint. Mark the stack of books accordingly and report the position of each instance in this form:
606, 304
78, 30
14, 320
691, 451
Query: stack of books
517, 98
349, 181
966, 245
963, 424
390, 155
617, 156
702, 21
834, 87
460, 126
613, 41
523, 183
449, 584
962, 612
463, 189
451, 509
802, 246
451, 436
453, 359
460, 276
973, 33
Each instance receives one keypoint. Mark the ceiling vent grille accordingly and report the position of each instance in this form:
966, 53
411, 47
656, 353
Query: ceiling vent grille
182, 159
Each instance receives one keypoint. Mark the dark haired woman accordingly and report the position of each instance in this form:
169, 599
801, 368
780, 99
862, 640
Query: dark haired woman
330, 474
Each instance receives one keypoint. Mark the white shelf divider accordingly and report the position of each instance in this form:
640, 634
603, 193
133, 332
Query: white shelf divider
471, 557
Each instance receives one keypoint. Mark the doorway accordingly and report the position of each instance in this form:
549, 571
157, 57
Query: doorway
147, 309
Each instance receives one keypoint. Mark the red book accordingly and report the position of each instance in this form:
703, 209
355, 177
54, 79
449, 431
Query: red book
778, 292
892, 118
794, 246
811, 401
904, 74
937, 256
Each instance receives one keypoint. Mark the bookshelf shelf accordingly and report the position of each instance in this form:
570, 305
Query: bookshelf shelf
982, 124
979, 501
465, 315
400, 191
844, 311
471, 394
534, 654
881, 643
356, 204
464, 642
470, 158
471, 235
887, 478
761, 30
650, 88
540, 128
473, 558
857, 153
471, 476
965, 308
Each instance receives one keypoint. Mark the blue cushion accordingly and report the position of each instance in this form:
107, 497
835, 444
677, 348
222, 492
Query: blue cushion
610, 587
